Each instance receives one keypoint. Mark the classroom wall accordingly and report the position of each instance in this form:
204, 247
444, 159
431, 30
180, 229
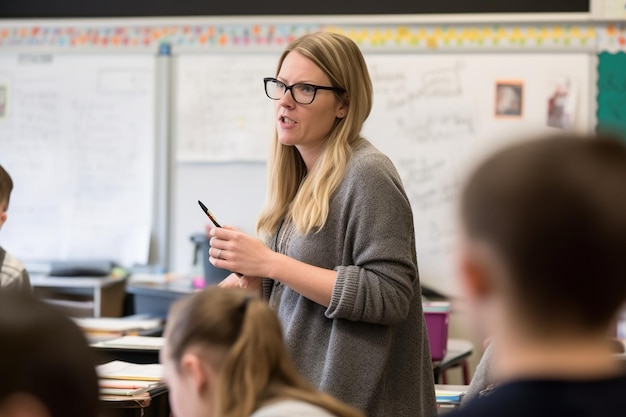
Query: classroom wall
234, 192
234, 187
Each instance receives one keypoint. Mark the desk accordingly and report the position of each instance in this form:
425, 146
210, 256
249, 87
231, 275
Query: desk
458, 352
100, 296
154, 403
155, 298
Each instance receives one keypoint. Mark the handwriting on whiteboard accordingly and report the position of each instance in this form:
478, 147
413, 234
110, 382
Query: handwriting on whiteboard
78, 141
222, 113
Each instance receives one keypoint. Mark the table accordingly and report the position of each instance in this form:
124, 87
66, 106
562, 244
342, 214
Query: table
154, 403
458, 352
100, 296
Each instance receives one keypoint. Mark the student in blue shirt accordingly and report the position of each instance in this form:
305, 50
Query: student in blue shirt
544, 234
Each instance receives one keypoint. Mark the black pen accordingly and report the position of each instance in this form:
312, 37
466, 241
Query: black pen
208, 213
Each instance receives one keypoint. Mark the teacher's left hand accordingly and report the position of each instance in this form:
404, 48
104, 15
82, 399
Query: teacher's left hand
238, 252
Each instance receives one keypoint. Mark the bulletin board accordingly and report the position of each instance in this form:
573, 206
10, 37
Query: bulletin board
611, 113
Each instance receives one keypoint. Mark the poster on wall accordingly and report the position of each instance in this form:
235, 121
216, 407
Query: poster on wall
561, 104
4, 98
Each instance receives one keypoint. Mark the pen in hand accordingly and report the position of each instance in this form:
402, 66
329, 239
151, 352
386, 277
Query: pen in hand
208, 213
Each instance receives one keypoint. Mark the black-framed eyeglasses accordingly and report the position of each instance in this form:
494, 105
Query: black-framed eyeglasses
302, 93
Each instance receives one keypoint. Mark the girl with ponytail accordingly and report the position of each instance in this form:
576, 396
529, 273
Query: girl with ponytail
224, 356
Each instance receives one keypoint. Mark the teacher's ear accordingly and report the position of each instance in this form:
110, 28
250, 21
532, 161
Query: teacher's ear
342, 109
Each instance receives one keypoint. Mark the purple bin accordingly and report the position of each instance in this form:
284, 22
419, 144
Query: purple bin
436, 315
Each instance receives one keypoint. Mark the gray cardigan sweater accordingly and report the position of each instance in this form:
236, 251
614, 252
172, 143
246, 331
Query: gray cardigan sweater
369, 348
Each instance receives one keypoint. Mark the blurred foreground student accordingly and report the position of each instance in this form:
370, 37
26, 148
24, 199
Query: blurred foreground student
224, 357
543, 259
46, 367
12, 272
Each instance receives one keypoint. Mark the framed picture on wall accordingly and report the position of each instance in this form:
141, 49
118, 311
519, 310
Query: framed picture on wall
509, 99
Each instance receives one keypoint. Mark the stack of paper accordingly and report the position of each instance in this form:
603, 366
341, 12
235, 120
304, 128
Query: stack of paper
120, 378
133, 342
125, 386
115, 327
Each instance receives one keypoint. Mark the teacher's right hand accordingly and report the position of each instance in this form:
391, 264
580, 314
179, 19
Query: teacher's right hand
249, 283
231, 281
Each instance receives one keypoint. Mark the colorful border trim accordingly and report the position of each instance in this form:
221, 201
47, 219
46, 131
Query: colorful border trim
427, 37
151, 36
487, 36
612, 37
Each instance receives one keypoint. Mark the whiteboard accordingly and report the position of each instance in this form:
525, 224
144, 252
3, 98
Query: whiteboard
434, 116
77, 137
222, 112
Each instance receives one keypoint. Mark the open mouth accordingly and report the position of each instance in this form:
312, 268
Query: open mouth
287, 120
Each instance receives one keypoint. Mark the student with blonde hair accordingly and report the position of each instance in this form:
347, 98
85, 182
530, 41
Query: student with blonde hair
224, 357
338, 262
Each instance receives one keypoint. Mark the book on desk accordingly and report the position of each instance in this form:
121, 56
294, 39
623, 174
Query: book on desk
133, 390
119, 378
449, 397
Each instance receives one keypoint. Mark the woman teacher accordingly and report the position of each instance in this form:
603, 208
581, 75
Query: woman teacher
337, 260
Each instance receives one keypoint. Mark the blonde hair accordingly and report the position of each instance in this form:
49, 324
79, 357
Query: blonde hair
254, 368
292, 192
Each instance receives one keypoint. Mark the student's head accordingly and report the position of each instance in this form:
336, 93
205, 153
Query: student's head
545, 229
224, 356
329, 126
46, 367
6, 186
